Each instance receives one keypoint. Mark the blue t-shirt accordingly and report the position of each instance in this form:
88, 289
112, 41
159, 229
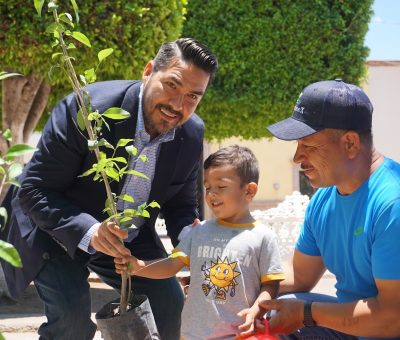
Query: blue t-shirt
358, 235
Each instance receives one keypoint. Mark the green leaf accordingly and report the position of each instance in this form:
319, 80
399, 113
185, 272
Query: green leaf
143, 158
15, 170
55, 43
75, 6
67, 18
88, 172
177, 254
7, 135
131, 150
4, 75
126, 219
39, 5
55, 27
81, 38
120, 160
112, 173
131, 212
13, 182
135, 173
55, 55
10, 254
104, 142
145, 214
2, 171
127, 198
124, 141
116, 113
90, 75
4, 214
71, 46
94, 115
80, 120
154, 204
18, 150
103, 54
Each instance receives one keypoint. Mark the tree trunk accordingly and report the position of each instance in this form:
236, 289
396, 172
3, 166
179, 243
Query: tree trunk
24, 100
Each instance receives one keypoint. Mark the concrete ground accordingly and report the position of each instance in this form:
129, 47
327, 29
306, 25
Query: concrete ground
20, 320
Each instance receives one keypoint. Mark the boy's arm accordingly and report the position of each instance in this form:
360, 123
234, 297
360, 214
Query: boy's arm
269, 290
152, 269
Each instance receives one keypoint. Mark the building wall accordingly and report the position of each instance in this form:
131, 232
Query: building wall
276, 166
383, 88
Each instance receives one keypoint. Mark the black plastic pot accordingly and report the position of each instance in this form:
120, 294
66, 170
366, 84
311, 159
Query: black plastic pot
136, 324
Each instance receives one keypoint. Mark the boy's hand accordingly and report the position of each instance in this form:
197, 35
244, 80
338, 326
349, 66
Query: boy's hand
128, 264
247, 328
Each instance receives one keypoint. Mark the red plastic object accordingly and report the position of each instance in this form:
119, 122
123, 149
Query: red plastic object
263, 336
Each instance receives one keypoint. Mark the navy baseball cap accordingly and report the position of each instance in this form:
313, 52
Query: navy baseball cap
329, 104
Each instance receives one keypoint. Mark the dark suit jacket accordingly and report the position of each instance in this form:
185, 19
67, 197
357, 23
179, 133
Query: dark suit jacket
54, 207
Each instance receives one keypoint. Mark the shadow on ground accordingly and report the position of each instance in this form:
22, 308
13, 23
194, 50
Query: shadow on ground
31, 305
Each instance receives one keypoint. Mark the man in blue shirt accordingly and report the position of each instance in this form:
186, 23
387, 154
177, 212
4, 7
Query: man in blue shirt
352, 224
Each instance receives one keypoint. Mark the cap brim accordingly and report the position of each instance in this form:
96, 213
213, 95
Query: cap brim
291, 129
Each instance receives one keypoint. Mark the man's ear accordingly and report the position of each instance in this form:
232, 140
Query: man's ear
352, 143
251, 190
147, 70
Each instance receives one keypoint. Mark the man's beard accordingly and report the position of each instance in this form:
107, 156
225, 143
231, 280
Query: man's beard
161, 126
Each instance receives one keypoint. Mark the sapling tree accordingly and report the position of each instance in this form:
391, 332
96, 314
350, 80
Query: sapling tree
91, 122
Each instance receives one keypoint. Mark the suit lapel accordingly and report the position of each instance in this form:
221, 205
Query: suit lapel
126, 128
165, 167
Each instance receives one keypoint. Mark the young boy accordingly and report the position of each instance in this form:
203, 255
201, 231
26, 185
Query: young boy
234, 261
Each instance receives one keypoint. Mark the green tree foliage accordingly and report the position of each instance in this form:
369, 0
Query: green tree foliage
268, 51
134, 29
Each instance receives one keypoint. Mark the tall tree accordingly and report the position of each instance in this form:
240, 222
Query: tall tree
269, 50
134, 29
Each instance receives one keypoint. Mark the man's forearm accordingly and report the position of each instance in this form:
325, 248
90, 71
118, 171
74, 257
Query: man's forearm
367, 317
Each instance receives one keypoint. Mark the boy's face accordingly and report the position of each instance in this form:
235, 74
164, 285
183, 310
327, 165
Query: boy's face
226, 197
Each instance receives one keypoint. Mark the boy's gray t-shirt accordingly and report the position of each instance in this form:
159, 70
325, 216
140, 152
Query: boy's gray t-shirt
228, 263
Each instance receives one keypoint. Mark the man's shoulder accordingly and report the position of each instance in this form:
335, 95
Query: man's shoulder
194, 122
193, 129
112, 85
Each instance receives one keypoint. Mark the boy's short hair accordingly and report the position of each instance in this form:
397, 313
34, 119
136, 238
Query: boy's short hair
242, 159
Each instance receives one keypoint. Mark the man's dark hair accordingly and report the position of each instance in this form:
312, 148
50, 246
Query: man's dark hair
242, 159
188, 50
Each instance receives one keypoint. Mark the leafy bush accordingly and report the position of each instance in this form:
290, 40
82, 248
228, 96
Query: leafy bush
134, 29
268, 51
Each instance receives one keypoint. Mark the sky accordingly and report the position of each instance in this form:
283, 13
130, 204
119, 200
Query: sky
383, 37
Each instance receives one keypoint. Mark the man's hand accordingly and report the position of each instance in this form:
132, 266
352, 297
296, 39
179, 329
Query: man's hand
186, 230
107, 239
289, 315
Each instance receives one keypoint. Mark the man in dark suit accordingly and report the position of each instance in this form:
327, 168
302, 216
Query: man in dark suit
56, 216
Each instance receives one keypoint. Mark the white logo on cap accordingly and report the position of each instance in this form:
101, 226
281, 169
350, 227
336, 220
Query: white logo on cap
299, 109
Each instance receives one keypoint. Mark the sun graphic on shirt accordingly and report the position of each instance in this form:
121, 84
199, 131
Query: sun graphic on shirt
220, 277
